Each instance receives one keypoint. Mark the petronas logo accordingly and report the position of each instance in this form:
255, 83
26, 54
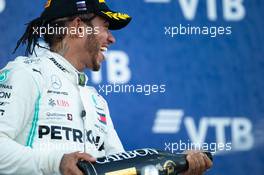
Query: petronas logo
3, 76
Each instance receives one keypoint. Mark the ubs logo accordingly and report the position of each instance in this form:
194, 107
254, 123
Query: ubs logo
58, 102
55, 82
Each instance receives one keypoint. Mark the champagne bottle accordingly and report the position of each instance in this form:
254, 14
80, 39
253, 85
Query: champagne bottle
132, 163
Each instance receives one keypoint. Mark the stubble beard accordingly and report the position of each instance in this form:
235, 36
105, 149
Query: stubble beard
93, 48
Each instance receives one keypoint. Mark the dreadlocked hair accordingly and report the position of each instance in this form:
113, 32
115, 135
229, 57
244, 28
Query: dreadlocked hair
52, 37
30, 36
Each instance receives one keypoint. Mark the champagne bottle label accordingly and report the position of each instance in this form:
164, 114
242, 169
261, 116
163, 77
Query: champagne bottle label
132, 163
127, 155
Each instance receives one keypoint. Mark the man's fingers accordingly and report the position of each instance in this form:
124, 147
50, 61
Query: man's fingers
198, 163
76, 171
68, 164
191, 161
84, 156
201, 161
207, 161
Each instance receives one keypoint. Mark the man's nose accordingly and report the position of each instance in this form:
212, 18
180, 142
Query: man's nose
111, 38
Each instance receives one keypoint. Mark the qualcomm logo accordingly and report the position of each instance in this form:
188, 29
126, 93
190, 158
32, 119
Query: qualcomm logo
232, 10
2, 5
237, 130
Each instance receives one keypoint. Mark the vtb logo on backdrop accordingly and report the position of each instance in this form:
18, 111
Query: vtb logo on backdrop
2, 5
170, 121
117, 68
233, 10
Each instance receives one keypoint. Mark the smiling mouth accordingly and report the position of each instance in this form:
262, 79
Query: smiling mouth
103, 49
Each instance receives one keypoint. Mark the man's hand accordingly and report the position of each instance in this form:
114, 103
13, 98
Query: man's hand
198, 163
68, 163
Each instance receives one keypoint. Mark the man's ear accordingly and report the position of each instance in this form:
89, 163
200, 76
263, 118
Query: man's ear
76, 28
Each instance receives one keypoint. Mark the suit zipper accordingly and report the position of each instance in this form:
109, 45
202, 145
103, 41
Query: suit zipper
83, 115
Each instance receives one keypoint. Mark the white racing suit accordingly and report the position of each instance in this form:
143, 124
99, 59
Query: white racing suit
45, 112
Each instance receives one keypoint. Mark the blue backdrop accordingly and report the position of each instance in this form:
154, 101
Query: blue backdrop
202, 59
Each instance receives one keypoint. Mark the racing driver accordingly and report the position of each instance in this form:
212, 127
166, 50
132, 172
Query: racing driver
49, 118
